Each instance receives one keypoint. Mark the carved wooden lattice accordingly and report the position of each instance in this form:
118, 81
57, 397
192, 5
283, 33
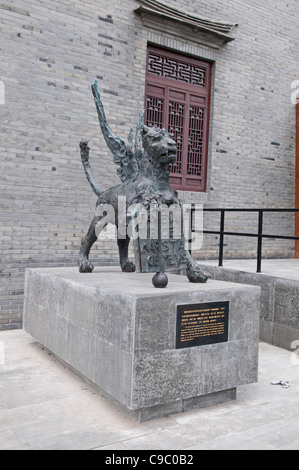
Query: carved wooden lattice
195, 143
177, 98
154, 112
176, 69
175, 127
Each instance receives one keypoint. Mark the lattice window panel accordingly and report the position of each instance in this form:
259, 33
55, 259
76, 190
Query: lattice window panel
195, 141
154, 111
176, 70
175, 127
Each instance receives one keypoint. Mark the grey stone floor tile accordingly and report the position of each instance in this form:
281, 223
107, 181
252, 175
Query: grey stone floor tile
236, 441
115, 446
87, 439
44, 405
280, 433
9, 439
176, 438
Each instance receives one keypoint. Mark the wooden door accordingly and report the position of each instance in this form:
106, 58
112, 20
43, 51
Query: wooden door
177, 97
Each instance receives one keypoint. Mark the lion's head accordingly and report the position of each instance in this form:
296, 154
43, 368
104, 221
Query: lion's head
159, 145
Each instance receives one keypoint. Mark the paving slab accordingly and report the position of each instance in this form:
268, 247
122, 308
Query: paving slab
45, 406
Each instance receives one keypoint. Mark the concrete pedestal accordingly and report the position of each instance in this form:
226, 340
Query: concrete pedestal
119, 332
279, 282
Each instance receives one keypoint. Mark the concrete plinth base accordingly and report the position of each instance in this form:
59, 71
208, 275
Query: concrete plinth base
279, 282
120, 333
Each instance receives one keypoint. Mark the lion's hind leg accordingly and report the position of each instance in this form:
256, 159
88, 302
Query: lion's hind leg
85, 266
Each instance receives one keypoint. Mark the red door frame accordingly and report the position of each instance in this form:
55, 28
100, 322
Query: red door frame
204, 92
297, 177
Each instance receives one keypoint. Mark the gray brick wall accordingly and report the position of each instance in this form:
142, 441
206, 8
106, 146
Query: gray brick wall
52, 51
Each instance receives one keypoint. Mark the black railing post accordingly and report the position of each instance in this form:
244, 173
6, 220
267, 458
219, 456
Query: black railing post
260, 235
191, 220
260, 241
221, 241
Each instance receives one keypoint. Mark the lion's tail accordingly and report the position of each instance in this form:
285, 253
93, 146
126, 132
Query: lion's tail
85, 161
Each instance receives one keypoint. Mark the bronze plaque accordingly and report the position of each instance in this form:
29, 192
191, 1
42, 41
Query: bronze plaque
201, 324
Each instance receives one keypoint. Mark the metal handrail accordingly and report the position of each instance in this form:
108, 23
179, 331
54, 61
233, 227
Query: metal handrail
259, 235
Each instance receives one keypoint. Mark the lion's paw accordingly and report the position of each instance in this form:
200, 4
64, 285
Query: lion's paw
196, 275
128, 267
85, 266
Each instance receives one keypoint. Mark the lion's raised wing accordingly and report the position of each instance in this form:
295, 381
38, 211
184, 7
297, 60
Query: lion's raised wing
122, 151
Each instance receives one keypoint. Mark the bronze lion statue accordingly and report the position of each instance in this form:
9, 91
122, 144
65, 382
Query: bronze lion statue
144, 172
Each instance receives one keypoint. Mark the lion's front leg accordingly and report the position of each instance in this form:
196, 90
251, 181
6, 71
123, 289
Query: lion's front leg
195, 273
127, 266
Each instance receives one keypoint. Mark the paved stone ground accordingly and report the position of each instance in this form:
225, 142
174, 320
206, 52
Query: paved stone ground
44, 405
